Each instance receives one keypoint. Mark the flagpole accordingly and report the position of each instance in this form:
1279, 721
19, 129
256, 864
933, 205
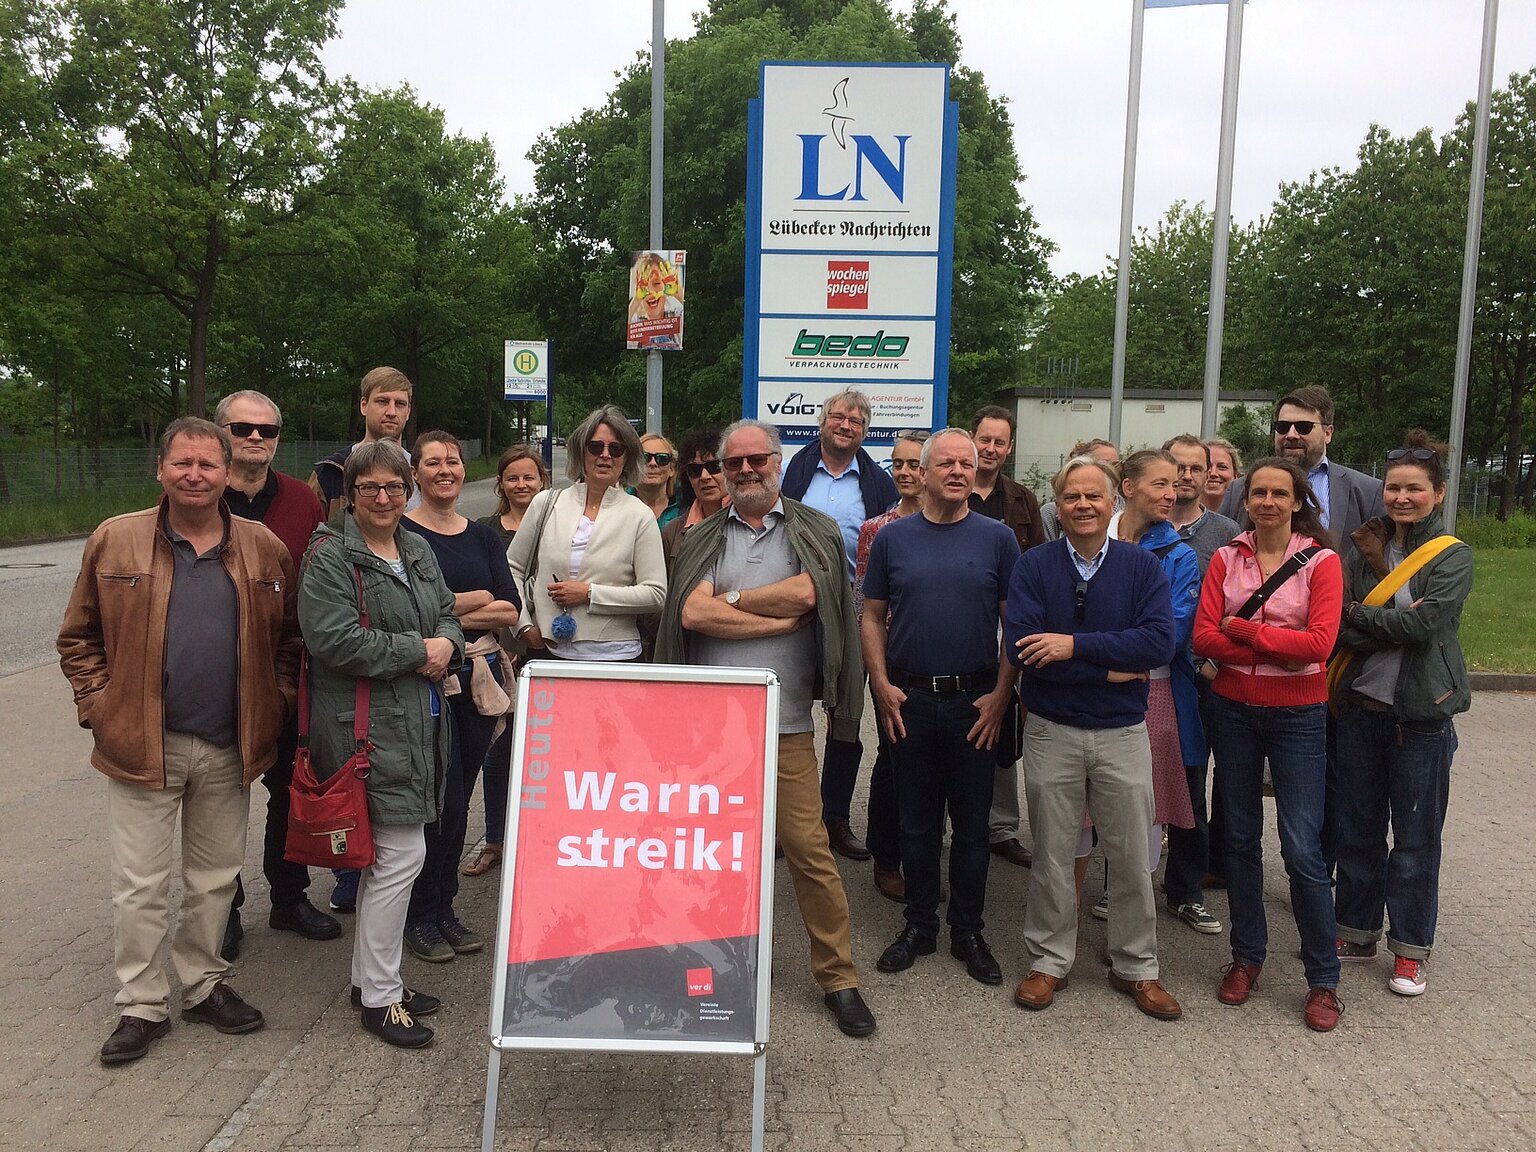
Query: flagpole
658, 101
1127, 203
1223, 223
1469, 263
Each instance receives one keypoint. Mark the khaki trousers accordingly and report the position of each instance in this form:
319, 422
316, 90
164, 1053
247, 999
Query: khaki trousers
818, 884
203, 784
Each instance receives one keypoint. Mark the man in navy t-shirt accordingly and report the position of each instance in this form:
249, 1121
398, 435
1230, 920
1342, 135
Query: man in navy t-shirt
942, 694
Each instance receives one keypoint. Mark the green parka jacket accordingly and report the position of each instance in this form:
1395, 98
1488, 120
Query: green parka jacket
1433, 683
411, 747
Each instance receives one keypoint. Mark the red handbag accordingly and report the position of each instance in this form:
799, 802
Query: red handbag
328, 824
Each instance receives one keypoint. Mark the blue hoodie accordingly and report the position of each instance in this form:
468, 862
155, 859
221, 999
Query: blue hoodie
1182, 568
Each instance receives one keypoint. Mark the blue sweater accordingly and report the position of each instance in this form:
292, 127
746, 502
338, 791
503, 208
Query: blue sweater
1127, 627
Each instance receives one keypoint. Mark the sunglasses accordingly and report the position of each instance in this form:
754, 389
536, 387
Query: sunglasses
660, 459
757, 461
1080, 602
1423, 455
1303, 427
241, 429
613, 449
698, 468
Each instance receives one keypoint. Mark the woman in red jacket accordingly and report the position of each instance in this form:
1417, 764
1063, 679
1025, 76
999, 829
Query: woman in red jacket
1269, 702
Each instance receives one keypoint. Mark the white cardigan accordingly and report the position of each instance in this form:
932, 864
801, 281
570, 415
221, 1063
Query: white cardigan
623, 562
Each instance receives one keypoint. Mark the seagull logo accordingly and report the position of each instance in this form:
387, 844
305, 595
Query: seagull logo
837, 112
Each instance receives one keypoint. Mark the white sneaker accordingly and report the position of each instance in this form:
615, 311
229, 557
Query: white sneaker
1101, 909
1408, 977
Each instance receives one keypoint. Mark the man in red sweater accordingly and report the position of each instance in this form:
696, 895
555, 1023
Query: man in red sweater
288, 508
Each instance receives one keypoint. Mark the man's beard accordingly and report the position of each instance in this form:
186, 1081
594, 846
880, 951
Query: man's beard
755, 499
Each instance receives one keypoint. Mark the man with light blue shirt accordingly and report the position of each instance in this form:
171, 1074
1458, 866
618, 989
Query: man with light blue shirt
833, 474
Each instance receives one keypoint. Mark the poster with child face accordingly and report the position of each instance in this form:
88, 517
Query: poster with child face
654, 318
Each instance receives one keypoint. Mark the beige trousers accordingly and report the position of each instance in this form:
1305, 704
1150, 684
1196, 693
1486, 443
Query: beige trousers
818, 883
203, 786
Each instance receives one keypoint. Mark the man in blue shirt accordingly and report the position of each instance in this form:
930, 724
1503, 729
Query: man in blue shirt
942, 694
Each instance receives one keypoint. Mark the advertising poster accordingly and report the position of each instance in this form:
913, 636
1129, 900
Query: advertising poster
850, 241
634, 891
655, 314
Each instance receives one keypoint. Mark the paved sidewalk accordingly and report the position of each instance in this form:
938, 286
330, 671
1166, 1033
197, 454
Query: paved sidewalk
954, 1064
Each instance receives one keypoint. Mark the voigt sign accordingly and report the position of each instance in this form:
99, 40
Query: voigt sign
851, 179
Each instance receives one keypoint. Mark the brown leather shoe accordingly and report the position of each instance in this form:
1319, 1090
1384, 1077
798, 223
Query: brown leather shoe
1238, 980
1013, 851
1037, 990
1151, 997
890, 883
844, 842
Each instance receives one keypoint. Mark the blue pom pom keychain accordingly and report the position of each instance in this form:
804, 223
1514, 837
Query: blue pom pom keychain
563, 627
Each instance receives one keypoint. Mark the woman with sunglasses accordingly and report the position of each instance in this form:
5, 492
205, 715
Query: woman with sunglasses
591, 565
1269, 701
700, 492
1404, 682
657, 487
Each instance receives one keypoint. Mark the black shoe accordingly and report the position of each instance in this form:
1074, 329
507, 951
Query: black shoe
396, 1026
305, 919
972, 950
462, 940
224, 1009
132, 1038
853, 1015
229, 950
416, 1003
840, 836
905, 950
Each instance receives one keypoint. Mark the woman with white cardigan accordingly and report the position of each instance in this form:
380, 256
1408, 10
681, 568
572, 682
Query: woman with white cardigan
592, 564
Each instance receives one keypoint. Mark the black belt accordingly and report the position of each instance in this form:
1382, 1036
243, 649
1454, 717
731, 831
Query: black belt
1368, 703
943, 685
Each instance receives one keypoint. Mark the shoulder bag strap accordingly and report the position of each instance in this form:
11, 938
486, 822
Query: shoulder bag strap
530, 576
364, 689
1406, 571
1295, 564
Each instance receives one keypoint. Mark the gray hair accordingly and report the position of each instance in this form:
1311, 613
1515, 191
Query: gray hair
198, 429
247, 394
934, 439
850, 397
775, 444
619, 425
377, 454
1059, 481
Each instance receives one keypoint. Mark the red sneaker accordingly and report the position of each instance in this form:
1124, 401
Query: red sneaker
1408, 977
1238, 980
1323, 1009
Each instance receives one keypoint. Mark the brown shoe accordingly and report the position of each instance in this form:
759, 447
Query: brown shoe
1013, 851
1037, 990
1238, 980
890, 883
489, 858
844, 842
1151, 997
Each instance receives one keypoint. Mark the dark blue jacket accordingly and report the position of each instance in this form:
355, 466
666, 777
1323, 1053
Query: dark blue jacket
1127, 627
875, 484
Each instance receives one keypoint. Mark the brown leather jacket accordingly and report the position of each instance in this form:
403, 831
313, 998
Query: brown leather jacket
1021, 512
112, 643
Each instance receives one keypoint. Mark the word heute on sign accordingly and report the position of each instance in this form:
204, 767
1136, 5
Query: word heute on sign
848, 284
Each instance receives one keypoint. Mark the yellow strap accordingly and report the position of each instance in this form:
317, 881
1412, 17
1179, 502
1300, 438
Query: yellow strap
1383, 592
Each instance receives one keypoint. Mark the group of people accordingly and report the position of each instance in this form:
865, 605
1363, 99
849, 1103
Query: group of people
1108, 643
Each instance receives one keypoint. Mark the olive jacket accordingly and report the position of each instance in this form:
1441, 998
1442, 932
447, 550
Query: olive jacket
411, 753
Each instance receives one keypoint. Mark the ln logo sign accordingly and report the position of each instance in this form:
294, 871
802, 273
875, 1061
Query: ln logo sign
867, 155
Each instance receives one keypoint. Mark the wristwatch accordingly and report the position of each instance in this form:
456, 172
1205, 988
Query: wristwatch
732, 598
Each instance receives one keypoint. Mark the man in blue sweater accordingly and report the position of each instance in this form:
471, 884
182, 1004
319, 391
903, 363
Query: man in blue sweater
1087, 618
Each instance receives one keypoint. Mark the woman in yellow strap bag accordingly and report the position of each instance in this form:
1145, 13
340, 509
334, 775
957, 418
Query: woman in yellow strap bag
1397, 680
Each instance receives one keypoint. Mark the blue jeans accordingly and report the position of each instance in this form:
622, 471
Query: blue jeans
1395, 774
496, 773
1294, 741
433, 893
839, 774
936, 769
883, 837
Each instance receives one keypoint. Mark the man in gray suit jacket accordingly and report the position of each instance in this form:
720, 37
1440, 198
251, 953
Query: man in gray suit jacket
1303, 429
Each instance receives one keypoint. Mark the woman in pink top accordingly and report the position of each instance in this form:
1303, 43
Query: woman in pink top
1269, 702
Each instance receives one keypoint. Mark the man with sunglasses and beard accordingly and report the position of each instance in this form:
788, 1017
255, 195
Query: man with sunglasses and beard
291, 511
763, 584
1303, 430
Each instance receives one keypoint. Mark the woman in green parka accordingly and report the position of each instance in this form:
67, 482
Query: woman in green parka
1395, 701
411, 642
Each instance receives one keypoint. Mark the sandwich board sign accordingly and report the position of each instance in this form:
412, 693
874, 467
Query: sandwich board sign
636, 892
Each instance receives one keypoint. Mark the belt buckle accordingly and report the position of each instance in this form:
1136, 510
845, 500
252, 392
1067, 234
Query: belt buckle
942, 684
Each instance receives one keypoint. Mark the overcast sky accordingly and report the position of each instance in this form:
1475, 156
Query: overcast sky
1315, 75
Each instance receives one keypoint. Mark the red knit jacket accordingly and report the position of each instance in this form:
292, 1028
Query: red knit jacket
293, 515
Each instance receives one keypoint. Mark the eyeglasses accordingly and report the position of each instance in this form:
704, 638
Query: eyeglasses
1422, 455
613, 449
699, 467
757, 461
369, 491
242, 429
1303, 427
845, 418
1195, 469
660, 459
1080, 602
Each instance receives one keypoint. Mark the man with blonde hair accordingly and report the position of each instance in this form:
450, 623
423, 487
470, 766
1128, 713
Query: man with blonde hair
386, 407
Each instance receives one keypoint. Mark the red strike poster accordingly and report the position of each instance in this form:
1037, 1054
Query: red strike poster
637, 861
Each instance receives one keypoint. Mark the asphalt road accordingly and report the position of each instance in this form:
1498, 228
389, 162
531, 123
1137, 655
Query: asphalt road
36, 579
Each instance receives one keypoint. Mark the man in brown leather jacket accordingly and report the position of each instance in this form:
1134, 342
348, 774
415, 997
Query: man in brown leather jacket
181, 643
